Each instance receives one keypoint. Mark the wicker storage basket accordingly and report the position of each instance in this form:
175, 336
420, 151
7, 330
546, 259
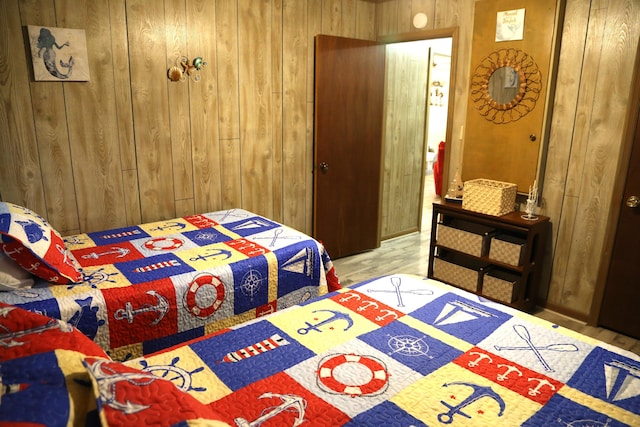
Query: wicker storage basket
500, 285
465, 237
508, 249
466, 276
489, 197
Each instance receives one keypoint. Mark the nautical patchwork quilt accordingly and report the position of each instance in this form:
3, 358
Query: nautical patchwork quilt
403, 350
151, 286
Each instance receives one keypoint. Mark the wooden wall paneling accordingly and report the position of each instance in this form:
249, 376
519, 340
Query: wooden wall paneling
457, 14
279, 174
255, 106
20, 174
295, 163
348, 18
147, 47
404, 17
620, 33
204, 105
226, 63
92, 121
178, 97
365, 20
562, 292
560, 145
332, 17
386, 18
48, 106
122, 88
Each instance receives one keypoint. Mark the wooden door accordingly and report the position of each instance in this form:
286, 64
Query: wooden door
619, 310
503, 143
349, 93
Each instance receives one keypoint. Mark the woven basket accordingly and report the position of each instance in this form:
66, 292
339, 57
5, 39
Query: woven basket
489, 197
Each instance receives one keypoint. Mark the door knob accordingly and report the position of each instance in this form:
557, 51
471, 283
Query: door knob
324, 166
633, 201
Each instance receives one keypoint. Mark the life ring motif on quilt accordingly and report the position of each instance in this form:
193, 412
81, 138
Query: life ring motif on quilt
202, 285
163, 244
367, 375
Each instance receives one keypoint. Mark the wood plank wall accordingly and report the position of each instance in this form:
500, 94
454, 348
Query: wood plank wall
131, 146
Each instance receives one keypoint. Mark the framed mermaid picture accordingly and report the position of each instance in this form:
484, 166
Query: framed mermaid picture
58, 54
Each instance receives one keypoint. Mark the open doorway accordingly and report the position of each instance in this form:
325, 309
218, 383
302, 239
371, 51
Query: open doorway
417, 87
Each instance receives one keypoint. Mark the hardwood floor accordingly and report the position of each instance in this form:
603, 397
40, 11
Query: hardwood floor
410, 253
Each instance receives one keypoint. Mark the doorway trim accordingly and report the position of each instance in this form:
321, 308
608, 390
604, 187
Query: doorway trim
439, 33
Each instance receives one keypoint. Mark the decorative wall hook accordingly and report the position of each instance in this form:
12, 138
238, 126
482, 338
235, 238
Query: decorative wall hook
184, 69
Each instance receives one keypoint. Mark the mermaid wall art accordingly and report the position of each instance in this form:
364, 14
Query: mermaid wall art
58, 54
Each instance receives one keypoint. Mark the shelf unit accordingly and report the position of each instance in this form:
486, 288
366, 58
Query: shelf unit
524, 277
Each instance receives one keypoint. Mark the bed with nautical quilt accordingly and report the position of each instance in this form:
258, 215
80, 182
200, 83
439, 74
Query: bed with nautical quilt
397, 350
138, 289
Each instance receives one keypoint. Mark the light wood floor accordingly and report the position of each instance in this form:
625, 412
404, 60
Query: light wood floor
410, 254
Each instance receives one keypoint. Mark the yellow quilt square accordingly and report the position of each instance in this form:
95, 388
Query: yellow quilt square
453, 395
186, 371
322, 325
210, 256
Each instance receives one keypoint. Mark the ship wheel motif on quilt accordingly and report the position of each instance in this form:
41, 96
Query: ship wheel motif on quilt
179, 376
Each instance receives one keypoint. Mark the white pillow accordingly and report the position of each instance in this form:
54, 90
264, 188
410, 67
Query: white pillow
12, 276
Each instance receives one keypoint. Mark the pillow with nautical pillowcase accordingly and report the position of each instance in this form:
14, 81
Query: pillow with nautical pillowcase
32, 243
12, 276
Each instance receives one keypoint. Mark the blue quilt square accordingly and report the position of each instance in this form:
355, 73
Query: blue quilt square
47, 307
386, 414
153, 268
206, 236
611, 377
298, 266
152, 346
253, 225
244, 351
117, 235
413, 348
251, 283
461, 317
41, 396
564, 412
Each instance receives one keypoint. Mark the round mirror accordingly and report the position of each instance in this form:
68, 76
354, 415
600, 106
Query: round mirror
504, 85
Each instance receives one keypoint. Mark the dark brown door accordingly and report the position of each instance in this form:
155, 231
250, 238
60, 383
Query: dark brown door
349, 91
619, 310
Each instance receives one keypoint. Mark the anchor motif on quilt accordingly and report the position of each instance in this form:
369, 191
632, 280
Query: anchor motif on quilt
481, 356
337, 315
386, 314
290, 402
107, 382
348, 296
396, 282
117, 251
478, 393
169, 225
541, 383
9, 338
503, 376
212, 253
162, 307
366, 304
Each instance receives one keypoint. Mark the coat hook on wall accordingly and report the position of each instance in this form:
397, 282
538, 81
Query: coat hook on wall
184, 69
